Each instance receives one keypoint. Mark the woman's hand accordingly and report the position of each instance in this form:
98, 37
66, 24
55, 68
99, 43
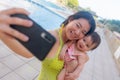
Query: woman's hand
71, 76
6, 20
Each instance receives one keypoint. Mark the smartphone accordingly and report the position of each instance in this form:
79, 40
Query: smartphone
40, 41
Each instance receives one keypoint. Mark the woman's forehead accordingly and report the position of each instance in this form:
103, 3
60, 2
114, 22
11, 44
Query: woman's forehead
84, 23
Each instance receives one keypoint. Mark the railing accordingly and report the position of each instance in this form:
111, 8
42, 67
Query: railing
114, 45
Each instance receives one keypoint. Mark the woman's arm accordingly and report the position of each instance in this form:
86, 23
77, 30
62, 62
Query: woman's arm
8, 35
61, 75
6, 20
14, 45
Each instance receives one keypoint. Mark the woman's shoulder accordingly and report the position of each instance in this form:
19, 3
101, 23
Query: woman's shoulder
51, 31
54, 33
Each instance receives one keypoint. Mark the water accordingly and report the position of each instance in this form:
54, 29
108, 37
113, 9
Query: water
43, 16
40, 11
46, 3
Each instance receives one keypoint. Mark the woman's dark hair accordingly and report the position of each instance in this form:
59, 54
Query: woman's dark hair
95, 39
83, 14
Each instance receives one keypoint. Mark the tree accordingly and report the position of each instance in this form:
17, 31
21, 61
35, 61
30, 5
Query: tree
73, 3
113, 25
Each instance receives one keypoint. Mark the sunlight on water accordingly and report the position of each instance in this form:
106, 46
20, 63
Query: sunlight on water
45, 17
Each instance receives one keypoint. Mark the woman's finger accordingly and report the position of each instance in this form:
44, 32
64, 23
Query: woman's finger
14, 33
19, 21
15, 11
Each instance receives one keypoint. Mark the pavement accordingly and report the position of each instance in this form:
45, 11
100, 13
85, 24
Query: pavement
101, 65
15, 67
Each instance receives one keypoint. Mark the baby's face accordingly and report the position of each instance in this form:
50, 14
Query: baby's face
85, 44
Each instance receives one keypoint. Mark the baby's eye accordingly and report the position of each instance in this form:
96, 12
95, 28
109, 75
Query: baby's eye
84, 40
87, 45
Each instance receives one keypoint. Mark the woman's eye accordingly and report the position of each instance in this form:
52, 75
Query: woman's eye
84, 32
77, 25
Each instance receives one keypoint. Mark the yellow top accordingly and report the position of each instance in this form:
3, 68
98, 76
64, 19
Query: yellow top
52, 66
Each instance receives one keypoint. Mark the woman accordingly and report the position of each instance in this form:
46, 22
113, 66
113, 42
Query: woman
75, 27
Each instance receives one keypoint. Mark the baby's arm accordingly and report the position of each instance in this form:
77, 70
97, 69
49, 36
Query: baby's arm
82, 59
61, 75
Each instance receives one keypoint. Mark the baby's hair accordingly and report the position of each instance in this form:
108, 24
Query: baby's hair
85, 15
95, 37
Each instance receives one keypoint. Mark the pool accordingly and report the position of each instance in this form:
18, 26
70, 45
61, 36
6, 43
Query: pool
40, 11
46, 18
46, 3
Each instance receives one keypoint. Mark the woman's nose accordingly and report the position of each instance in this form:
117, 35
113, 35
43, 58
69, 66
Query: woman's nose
78, 32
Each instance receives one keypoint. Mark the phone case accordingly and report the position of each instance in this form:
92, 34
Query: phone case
40, 41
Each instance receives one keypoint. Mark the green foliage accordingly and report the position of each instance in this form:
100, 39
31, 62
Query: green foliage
72, 3
113, 25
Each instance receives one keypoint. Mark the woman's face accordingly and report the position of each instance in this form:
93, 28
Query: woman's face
76, 29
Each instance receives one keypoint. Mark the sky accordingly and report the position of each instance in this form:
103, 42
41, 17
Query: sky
109, 9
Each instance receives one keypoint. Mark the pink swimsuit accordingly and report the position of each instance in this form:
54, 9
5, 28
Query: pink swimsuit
70, 52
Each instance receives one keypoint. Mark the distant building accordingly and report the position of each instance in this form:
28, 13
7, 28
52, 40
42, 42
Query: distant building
117, 34
99, 24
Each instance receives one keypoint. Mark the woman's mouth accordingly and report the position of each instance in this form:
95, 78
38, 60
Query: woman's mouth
80, 46
70, 31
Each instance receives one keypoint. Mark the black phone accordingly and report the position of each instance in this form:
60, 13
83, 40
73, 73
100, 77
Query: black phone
40, 41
